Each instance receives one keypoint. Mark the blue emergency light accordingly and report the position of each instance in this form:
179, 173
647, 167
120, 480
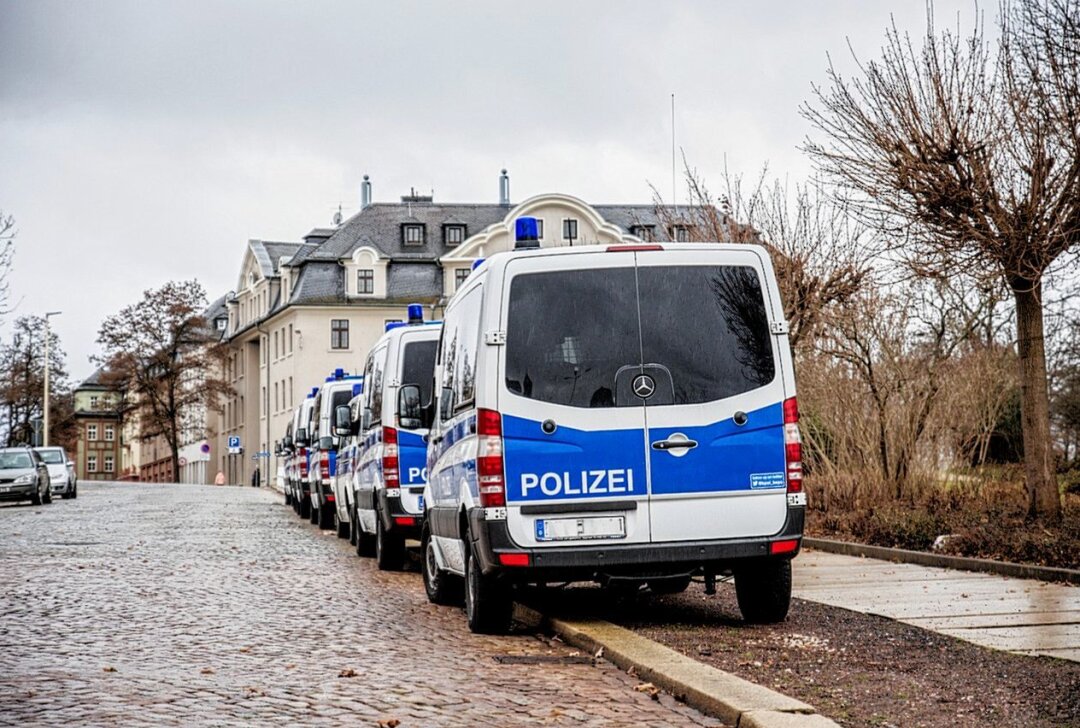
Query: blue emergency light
416, 313
477, 263
528, 234
314, 391
357, 389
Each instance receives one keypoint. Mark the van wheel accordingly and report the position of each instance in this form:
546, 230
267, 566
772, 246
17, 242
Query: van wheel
341, 526
389, 547
354, 527
365, 542
488, 604
313, 513
325, 519
763, 589
441, 587
288, 498
674, 585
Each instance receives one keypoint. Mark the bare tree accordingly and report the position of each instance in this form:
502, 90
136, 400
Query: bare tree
7, 252
976, 159
22, 382
162, 354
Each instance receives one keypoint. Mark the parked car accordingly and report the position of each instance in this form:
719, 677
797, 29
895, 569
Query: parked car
620, 414
23, 476
337, 390
390, 472
61, 471
347, 460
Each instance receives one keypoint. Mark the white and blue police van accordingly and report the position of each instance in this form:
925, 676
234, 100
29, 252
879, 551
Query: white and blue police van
391, 471
298, 467
346, 461
622, 414
336, 391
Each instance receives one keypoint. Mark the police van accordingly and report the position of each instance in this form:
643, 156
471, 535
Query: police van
391, 471
347, 460
337, 390
298, 466
620, 414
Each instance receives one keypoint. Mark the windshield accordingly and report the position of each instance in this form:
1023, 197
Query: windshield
339, 398
52, 457
15, 461
578, 337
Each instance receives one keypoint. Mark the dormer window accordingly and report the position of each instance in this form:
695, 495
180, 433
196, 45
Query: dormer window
251, 279
646, 232
569, 230
221, 322
412, 234
680, 233
365, 281
453, 234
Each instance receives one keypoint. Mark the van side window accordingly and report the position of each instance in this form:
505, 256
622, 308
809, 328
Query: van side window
448, 346
378, 365
468, 344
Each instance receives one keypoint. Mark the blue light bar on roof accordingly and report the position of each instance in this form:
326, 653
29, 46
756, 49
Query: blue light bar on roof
416, 313
395, 325
339, 373
527, 233
357, 389
314, 391
477, 263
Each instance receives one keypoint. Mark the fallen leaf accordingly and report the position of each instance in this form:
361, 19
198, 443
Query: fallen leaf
108, 669
245, 649
347, 672
649, 689
207, 671
599, 654
389, 723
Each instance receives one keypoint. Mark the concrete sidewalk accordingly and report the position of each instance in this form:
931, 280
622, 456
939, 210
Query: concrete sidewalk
1016, 615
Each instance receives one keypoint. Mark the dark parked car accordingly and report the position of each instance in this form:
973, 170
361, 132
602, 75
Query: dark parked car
23, 476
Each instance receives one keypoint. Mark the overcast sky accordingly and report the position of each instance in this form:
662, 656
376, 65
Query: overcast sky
147, 141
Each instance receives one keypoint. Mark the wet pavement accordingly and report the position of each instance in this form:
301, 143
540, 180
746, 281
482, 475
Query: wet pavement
196, 605
1017, 615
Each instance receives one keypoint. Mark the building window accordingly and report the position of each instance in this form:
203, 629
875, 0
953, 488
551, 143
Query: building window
91, 432
646, 232
94, 403
110, 433
454, 234
109, 463
569, 229
339, 333
290, 392
460, 276
277, 397
91, 463
290, 338
413, 234
539, 229
365, 281
221, 322
680, 233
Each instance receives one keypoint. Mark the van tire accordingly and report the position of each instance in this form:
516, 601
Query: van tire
365, 542
763, 589
442, 587
354, 527
288, 497
489, 606
389, 548
325, 517
305, 507
341, 526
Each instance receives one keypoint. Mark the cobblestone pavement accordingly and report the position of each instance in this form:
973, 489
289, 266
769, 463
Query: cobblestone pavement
196, 605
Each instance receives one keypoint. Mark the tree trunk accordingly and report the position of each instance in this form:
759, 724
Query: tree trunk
1042, 490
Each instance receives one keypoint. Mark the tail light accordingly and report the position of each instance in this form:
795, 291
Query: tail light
303, 462
792, 445
390, 458
489, 459
324, 464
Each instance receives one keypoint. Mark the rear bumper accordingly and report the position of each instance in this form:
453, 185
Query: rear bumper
395, 518
491, 539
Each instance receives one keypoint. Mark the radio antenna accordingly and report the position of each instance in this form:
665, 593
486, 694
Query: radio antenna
674, 201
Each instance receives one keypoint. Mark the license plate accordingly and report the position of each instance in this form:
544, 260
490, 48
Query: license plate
420, 502
4, 488
579, 529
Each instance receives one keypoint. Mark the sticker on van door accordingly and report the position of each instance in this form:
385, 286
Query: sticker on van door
767, 480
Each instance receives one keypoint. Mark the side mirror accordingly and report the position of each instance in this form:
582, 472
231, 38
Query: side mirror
287, 445
365, 419
342, 421
326, 443
302, 437
410, 411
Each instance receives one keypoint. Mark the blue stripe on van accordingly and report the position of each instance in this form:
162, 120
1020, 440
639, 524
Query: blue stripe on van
728, 457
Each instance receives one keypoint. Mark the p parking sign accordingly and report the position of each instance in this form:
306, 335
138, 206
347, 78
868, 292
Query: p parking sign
234, 445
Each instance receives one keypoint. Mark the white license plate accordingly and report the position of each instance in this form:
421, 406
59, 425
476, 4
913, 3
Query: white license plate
420, 503
578, 529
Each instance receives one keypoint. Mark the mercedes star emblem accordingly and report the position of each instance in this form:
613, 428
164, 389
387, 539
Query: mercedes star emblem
644, 386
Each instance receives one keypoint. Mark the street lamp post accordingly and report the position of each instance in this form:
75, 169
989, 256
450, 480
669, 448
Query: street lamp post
45, 433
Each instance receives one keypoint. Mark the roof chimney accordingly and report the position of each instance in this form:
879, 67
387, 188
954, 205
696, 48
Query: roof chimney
365, 192
504, 189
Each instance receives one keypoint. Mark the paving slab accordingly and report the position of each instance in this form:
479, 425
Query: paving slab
1005, 613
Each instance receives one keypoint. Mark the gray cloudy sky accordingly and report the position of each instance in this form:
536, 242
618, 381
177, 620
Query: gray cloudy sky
145, 141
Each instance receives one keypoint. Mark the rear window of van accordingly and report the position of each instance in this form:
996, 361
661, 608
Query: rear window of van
577, 337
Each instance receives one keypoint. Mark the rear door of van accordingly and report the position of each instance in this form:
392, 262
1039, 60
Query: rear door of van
416, 352
715, 418
574, 438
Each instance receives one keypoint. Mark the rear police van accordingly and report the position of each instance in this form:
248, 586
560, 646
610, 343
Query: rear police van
623, 414
297, 470
345, 467
336, 391
392, 461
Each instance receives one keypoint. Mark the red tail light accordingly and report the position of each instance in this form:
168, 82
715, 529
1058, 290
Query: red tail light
514, 559
783, 547
324, 465
405, 521
303, 462
792, 445
489, 459
390, 458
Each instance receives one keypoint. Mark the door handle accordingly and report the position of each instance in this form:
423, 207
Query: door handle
681, 444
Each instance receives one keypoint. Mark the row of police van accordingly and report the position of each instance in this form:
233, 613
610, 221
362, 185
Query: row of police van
621, 414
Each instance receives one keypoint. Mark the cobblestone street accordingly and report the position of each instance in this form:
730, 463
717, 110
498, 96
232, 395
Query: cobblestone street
182, 605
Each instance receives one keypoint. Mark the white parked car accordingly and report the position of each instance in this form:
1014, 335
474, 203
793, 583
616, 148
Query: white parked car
62, 480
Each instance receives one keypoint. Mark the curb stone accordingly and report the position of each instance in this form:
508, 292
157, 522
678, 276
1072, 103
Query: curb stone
963, 563
738, 702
